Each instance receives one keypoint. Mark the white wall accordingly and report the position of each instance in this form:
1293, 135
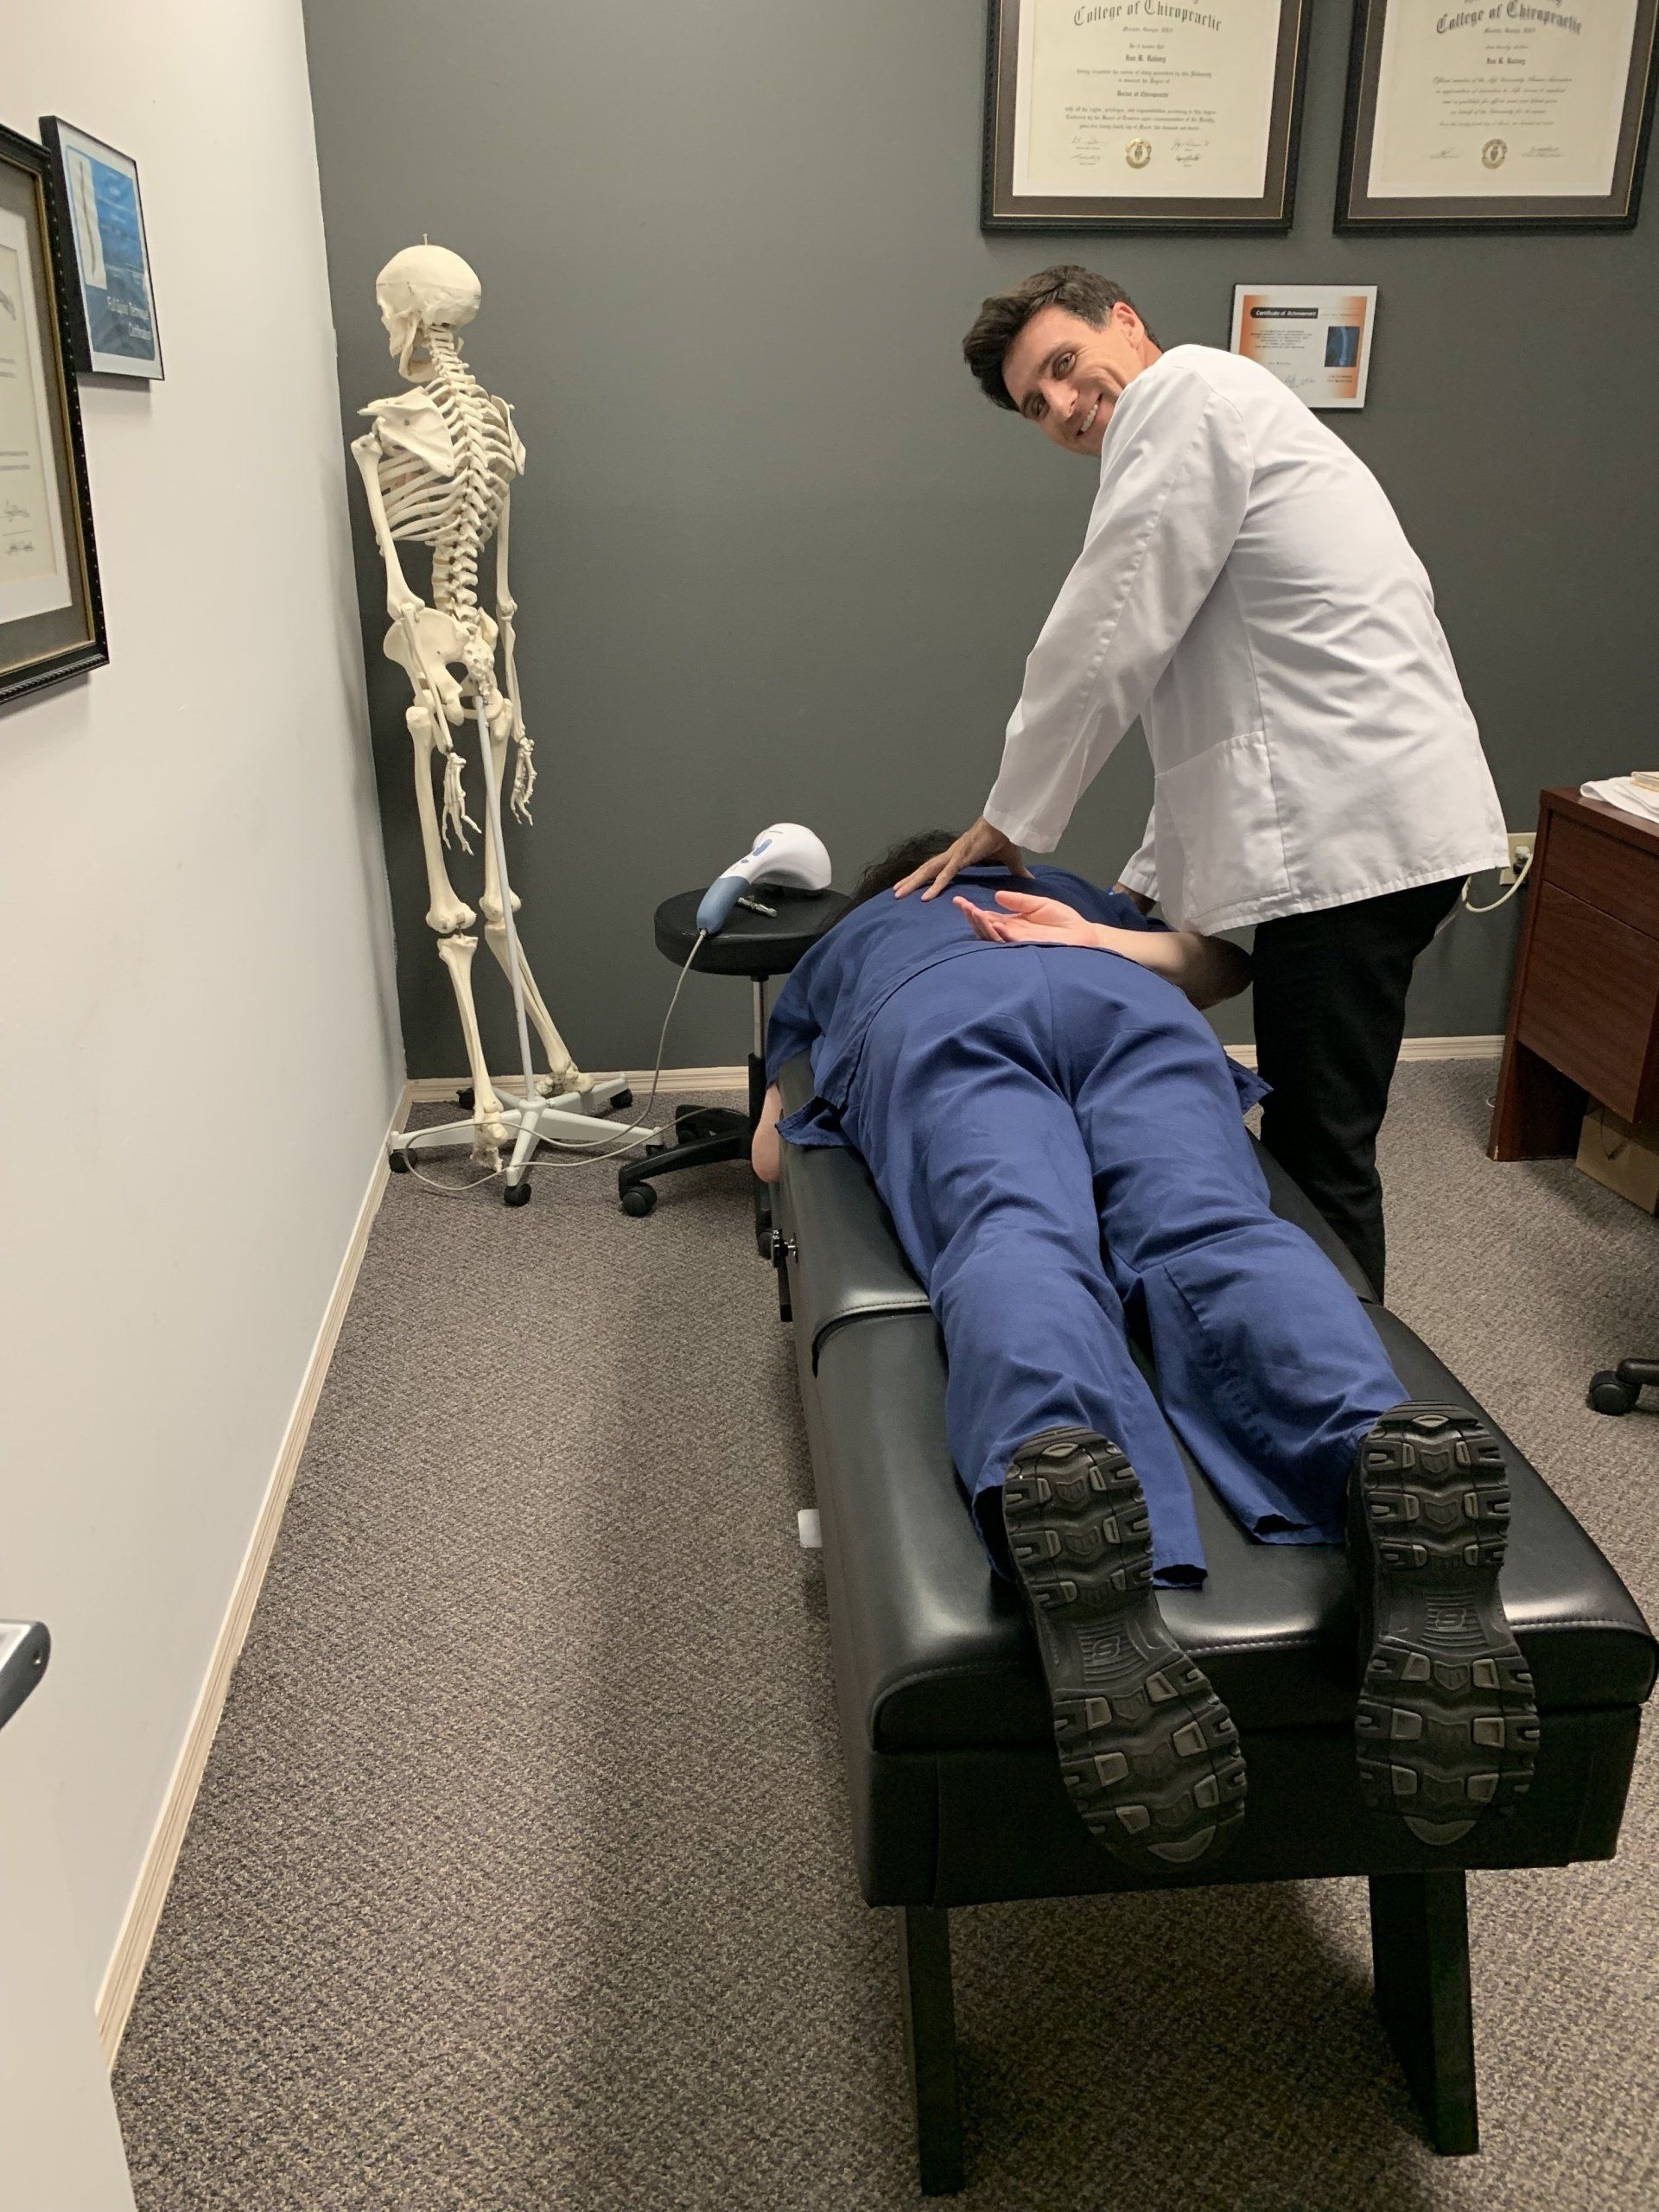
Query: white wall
199, 1039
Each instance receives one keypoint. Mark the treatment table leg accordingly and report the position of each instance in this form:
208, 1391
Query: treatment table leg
931, 2045
1419, 1953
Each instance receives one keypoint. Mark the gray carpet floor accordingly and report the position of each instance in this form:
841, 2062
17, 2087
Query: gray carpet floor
519, 1879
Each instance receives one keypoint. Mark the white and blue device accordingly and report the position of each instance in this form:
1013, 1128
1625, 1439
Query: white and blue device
786, 854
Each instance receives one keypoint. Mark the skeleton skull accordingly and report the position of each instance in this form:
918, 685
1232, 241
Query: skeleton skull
422, 288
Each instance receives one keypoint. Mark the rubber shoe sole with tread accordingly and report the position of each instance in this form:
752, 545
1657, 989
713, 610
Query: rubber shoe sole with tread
1447, 1726
1148, 1752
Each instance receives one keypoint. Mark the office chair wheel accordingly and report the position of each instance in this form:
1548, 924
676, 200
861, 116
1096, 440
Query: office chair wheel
693, 1123
639, 1199
621, 1103
516, 1194
464, 1099
1608, 1395
397, 1161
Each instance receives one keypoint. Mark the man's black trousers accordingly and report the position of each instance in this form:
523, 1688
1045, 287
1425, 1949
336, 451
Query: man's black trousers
1330, 992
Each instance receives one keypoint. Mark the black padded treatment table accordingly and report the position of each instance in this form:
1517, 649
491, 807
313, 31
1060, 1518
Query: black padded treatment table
955, 1791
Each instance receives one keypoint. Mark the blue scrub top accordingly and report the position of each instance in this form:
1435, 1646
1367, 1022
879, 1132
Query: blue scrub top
842, 982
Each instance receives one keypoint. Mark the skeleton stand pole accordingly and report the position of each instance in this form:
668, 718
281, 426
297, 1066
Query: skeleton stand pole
566, 1119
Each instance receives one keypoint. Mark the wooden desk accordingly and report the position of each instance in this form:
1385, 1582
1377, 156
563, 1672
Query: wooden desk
1584, 1019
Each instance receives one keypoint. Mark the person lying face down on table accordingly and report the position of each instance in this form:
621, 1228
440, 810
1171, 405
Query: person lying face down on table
1059, 1139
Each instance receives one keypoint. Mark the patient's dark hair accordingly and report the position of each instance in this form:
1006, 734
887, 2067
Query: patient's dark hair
893, 867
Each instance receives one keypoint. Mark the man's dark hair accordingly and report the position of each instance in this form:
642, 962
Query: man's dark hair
1005, 315
894, 867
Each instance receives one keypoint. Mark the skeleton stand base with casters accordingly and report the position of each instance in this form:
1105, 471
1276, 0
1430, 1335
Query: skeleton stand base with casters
566, 1118
763, 947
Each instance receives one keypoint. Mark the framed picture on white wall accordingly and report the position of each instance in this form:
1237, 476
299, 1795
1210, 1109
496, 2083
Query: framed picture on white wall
51, 613
101, 219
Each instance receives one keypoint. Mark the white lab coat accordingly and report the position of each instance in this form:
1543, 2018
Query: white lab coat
1246, 589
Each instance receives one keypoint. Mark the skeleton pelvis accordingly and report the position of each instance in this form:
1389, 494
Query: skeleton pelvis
441, 642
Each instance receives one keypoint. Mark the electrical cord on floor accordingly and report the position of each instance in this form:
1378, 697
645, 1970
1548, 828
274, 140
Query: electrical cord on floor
580, 1155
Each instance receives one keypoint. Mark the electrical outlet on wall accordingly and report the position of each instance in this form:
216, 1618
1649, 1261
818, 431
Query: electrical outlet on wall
1521, 845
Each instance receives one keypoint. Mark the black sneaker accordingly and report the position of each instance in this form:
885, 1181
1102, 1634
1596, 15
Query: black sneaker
1148, 1751
1447, 1726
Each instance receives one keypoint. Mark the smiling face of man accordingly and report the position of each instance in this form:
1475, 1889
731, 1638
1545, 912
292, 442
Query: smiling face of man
1066, 376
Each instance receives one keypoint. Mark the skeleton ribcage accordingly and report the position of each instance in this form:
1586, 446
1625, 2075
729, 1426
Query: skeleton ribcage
454, 515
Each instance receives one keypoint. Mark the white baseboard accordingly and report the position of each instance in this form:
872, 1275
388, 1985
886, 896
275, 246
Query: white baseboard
144, 1913
1414, 1048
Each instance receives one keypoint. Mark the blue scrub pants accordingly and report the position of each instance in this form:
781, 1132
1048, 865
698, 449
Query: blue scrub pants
1060, 1143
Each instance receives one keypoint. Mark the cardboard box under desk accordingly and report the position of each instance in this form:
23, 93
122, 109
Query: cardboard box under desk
1622, 1156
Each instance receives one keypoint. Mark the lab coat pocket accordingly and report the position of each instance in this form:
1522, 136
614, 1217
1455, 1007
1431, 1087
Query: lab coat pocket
1221, 846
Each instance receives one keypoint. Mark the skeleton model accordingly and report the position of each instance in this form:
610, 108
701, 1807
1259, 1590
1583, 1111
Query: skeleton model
438, 463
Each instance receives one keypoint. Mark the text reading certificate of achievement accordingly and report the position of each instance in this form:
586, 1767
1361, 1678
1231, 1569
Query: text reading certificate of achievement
1145, 98
33, 573
1512, 100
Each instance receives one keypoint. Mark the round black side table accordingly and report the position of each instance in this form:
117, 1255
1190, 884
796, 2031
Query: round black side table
760, 946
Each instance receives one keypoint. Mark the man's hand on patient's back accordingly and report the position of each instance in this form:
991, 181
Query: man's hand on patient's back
977, 845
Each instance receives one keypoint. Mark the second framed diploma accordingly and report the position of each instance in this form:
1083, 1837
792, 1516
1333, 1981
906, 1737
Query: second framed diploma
1496, 114
1142, 115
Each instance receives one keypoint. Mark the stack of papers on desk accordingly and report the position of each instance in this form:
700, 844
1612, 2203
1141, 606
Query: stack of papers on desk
1637, 794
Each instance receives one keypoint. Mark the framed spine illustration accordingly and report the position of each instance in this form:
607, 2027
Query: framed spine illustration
1142, 115
1516, 115
51, 615
101, 220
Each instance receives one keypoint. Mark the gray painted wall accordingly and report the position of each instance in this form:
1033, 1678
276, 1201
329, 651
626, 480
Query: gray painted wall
777, 556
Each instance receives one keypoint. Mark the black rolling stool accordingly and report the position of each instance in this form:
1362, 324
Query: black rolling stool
760, 946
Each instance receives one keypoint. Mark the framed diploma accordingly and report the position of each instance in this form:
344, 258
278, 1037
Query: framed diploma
51, 615
1514, 115
106, 283
1142, 115
1315, 338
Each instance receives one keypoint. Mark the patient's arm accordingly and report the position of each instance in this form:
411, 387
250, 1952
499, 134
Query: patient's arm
766, 1147
1208, 969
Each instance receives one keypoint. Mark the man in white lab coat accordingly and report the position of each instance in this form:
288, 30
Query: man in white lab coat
1247, 591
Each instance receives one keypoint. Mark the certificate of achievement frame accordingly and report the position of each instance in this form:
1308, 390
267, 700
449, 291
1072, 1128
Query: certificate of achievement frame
101, 219
1315, 338
51, 613
1514, 115
1142, 115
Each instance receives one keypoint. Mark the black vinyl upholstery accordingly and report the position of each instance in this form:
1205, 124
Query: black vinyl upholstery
942, 1702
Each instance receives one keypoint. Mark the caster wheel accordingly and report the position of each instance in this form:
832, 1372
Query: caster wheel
639, 1199
464, 1099
516, 1194
621, 1103
1608, 1395
397, 1162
